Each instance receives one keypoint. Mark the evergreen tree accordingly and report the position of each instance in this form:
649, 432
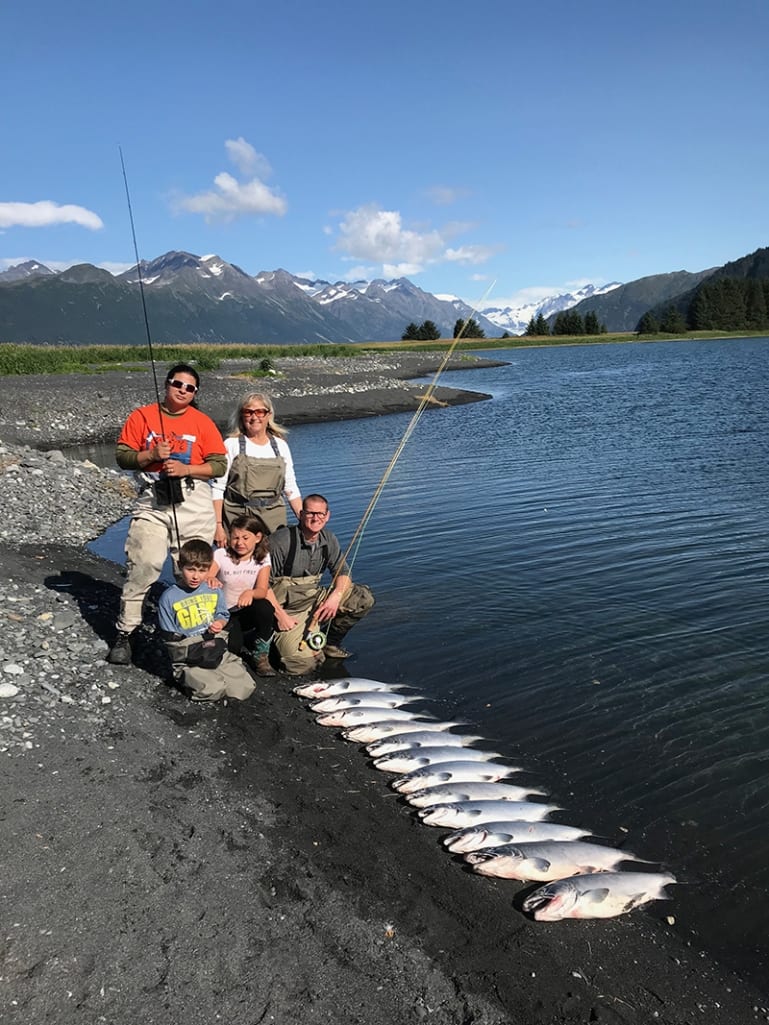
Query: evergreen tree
755, 306
560, 326
531, 328
468, 328
541, 325
428, 332
648, 324
699, 316
592, 327
672, 322
411, 334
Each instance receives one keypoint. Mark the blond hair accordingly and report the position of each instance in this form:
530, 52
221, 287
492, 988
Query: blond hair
260, 397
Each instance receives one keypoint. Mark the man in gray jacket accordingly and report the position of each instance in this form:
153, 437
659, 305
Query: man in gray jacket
307, 610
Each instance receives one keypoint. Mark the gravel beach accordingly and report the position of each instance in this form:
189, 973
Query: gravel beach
164, 861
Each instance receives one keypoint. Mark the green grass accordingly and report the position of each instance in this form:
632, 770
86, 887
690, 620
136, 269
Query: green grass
93, 359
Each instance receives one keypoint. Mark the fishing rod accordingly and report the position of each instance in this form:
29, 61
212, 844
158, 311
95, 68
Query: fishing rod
314, 637
171, 482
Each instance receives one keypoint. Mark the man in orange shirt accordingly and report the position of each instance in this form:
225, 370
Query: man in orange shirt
174, 450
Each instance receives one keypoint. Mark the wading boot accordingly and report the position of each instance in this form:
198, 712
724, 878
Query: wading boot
262, 665
120, 652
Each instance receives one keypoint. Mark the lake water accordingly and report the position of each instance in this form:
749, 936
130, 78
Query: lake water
580, 566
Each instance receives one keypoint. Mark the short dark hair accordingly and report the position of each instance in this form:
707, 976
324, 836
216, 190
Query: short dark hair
196, 552
315, 498
183, 368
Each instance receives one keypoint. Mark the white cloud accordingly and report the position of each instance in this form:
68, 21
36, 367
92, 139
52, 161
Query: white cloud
469, 254
371, 234
230, 198
45, 213
246, 159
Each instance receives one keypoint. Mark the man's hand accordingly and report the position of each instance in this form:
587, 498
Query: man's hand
329, 608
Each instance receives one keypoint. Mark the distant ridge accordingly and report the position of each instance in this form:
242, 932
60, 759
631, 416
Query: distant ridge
206, 299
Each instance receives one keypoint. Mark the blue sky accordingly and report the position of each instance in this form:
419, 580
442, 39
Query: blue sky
534, 145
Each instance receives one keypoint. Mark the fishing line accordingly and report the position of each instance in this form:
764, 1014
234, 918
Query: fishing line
315, 636
147, 328
425, 400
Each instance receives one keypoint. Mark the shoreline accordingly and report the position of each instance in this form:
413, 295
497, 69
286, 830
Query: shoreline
306, 389
169, 860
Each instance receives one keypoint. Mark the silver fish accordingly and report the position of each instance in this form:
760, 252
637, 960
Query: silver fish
376, 731
332, 688
475, 813
452, 772
419, 740
369, 699
458, 793
413, 759
547, 860
495, 834
364, 716
602, 895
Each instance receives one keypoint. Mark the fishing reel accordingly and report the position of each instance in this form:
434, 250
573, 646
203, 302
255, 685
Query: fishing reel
315, 639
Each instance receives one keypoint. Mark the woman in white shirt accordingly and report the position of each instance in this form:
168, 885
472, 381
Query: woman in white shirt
260, 476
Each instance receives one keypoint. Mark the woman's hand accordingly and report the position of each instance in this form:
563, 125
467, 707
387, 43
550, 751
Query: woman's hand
245, 599
220, 536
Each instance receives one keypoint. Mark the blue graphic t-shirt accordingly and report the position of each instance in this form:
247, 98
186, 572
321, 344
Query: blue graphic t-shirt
191, 612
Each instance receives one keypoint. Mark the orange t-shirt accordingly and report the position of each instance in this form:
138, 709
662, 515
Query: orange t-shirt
193, 435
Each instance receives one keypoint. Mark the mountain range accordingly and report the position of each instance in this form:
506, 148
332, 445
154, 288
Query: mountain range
205, 299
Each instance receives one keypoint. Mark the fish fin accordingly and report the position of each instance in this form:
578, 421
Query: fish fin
635, 900
540, 864
598, 896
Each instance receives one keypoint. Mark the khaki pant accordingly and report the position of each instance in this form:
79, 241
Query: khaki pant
230, 679
152, 535
299, 596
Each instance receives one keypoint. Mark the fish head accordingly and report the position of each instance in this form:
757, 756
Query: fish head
311, 690
552, 902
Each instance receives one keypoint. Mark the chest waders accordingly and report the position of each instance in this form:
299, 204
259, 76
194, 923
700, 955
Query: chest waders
302, 594
255, 485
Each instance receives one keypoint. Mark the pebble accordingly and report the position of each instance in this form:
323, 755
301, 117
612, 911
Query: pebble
47, 648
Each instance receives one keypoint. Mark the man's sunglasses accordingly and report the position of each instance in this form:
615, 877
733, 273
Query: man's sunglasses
183, 386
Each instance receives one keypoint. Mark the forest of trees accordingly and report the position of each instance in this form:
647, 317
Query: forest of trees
723, 304
424, 332
468, 329
567, 322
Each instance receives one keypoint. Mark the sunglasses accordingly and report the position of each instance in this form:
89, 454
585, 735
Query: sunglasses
255, 412
183, 386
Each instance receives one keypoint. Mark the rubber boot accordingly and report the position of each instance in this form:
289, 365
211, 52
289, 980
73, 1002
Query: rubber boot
262, 665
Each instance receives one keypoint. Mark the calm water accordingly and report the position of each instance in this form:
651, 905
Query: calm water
580, 566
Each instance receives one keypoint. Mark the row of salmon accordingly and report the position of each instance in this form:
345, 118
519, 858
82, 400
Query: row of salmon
495, 827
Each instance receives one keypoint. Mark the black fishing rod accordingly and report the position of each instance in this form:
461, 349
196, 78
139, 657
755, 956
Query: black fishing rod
171, 482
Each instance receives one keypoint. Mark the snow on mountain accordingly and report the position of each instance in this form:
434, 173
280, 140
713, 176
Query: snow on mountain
21, 271
515, 319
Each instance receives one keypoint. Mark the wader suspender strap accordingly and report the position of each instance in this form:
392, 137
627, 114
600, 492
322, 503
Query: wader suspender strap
270, 438
292, 547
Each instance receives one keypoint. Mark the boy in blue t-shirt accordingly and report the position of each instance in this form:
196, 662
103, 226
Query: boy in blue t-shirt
191, 617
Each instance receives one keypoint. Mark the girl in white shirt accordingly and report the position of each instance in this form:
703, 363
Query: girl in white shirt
242, 569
